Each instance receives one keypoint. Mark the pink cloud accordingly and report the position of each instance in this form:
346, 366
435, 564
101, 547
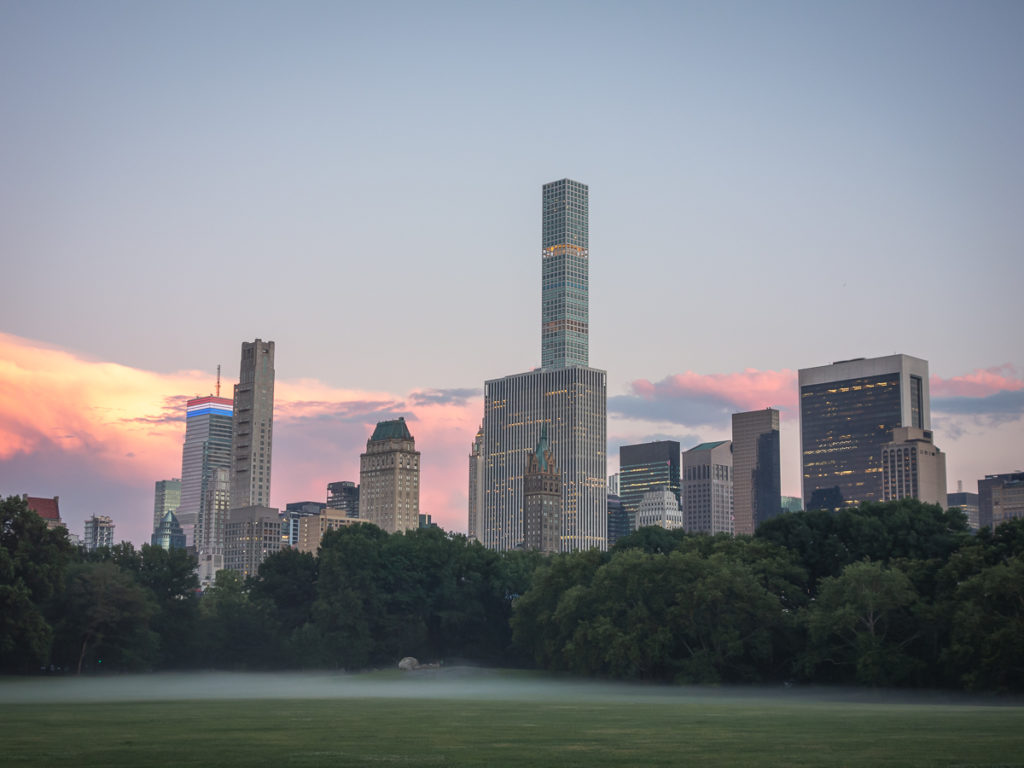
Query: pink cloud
980, 383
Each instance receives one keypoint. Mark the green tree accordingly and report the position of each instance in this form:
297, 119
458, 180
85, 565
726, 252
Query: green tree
105, 620
861, 624
33, 560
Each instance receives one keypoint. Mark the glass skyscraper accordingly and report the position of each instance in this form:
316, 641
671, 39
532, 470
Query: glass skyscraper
565, 249
848, 411
207, 448
646, 467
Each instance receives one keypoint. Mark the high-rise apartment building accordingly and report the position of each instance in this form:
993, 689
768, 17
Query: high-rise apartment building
913, 468
565, 251
476, 485
207, 448
99, 532
343, 494
389, 478
848, 411
707, 488
253, 436
166, 498
564, 394
659, 507
1000, 498
756, 469
542, 499
647, 467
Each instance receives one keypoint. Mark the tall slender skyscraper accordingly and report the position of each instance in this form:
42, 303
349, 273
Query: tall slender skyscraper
207, 448
564, 394
253, 437
756, 476
565, 252
848, 411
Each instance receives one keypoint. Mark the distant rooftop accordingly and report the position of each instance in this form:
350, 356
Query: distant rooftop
392, 430
47, 509
707, 446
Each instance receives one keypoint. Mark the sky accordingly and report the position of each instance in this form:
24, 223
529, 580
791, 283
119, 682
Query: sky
773, 186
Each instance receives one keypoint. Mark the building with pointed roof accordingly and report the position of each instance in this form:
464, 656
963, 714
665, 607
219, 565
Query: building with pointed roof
389, 478
542, 499
168, 534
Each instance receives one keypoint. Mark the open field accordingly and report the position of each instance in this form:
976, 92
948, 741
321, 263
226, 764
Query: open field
483, 720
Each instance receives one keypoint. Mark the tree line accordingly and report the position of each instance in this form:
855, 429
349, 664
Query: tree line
894, 594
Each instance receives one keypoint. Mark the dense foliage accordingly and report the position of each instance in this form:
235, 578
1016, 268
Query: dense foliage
889, 594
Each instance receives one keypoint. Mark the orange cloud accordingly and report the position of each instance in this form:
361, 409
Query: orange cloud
63, 415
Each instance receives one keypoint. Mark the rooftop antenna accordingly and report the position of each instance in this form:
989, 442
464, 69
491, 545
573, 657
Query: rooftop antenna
218, 379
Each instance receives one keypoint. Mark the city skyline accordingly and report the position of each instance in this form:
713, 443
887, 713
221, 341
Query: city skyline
779, 172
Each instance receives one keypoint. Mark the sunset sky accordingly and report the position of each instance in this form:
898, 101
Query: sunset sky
772, 186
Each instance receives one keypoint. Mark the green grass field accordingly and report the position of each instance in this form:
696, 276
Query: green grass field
553, 725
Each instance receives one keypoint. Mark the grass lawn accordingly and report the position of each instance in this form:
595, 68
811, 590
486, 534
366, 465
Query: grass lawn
572, 726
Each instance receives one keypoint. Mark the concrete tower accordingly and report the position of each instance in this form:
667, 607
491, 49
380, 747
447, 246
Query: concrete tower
253, 436
707, 488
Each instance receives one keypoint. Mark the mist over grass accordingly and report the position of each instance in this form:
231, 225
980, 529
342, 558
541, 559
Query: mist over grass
448, 683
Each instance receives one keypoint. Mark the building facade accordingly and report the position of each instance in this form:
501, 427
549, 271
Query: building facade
210, 530
565, 276
343, 494
166, 498
912, 467
618, 520
756, 469
647, 467
1000, 498
207, 449
311, 528
564, 394
967, 503
707, 488
293, 515
659, 507
848, 411
253, 435
542, 499
476, 486
389, 478
99, 532
573, 403
251, 535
